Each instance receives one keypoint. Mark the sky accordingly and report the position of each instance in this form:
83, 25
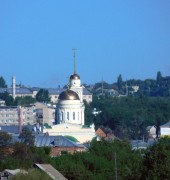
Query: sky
112, 37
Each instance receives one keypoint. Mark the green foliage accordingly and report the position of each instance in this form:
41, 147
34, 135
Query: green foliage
43, 96
120, 82
24, 100
2, 82
34, 174
24, 156
71, 138
99, 162
128, 117
9, 101
5, 139
156, 161
46, 125
88, 114
27, 137
159, 87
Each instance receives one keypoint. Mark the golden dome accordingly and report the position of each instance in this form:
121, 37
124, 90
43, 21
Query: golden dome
75, 76
68, 95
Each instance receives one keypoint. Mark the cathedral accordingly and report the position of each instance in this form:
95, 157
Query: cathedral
70, 112
70, 106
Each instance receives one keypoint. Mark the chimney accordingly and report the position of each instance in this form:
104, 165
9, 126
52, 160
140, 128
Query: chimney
13, 87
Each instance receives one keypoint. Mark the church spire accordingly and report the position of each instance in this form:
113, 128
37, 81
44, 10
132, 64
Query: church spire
74, 50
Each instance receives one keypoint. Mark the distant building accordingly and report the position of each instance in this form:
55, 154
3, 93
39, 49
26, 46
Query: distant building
165, 129
2, 102
151, 130
106, 133
135, 88
45, 113
17, 91
70, 112
10, 115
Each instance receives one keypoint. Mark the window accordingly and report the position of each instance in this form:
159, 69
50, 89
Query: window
73, 115
67, 115
62, 116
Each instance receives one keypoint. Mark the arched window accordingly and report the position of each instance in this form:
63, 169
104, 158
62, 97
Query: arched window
67, 115
62, 116
78, 115
73, 115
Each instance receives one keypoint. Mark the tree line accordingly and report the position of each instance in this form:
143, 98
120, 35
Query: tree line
158, 87
128, 116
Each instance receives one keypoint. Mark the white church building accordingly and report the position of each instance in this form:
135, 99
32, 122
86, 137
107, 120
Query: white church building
70, 112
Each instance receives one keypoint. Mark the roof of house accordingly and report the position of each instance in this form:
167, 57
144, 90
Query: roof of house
51, 171
13, 129
166, 125
106, 130
60, 141
149, 127
25, 90
50, 141
21, 90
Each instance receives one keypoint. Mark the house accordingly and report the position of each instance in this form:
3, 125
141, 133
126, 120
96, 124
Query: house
165, 129
7, 173
45, 113
2, 102
104, 132
58, 144
151, 130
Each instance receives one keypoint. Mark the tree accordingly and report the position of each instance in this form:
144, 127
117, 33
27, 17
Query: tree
156, 161
119, 82
5, 139
26, 100
2, 82
159, 77
5, 142
7, 98
27, 137
43, 96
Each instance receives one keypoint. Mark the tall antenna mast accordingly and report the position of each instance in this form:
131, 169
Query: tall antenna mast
74, 50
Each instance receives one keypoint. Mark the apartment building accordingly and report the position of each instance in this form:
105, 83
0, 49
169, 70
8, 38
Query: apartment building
13, 115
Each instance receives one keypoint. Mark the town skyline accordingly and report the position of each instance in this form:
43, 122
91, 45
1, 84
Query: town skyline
127, 38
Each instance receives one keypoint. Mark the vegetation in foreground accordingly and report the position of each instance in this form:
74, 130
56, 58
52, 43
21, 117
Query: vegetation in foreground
104, 160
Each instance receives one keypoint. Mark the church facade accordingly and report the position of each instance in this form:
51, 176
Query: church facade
70, 106
70, 112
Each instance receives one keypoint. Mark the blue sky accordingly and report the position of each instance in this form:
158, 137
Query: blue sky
127, 37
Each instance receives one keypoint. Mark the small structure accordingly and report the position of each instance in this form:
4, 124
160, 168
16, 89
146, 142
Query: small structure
51, 171
2, 102
165, 129
4, 175
151, 130
58, 144
138, 144
104, 132
45, 113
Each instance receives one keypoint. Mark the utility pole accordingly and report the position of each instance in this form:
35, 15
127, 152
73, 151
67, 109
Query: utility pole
20, 119
102, 86
115, 167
